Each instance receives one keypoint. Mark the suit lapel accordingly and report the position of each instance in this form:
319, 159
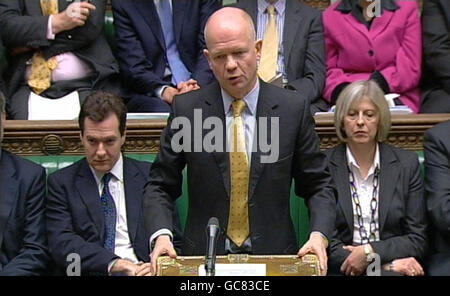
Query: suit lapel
352, 21
88, 191
8, 193
148, 11
380, 23
133, 196
265, 108
292, 22
339, 166
214, 108
178, 12
389, 174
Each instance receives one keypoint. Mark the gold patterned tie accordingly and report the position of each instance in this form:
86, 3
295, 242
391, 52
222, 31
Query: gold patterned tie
41, 69
238, 224
269, 53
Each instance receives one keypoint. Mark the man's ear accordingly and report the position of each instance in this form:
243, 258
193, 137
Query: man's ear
123, 137
258, 47
208, 57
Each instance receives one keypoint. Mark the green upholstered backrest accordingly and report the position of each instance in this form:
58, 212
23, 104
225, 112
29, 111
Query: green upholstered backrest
299, 211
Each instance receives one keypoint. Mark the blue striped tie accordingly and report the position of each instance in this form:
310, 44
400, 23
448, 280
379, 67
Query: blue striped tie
109, 210
179, 71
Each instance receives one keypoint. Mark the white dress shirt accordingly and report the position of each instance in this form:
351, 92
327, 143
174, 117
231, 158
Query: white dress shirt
364, 186
123, 247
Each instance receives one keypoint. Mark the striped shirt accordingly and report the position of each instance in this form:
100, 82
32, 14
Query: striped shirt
263, 19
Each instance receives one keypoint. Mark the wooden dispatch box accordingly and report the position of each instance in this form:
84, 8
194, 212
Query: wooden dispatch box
276, 265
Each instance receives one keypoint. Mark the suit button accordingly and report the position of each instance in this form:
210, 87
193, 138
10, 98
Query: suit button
371, 53
69, 36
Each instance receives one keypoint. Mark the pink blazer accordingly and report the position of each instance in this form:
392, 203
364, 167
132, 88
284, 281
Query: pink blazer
393, 46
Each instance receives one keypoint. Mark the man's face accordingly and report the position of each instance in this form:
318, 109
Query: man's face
102, 142
233, 56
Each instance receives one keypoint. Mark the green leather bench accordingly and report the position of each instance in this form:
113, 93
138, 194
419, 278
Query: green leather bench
299, 211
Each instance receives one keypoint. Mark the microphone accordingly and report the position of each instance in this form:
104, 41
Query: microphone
212, 233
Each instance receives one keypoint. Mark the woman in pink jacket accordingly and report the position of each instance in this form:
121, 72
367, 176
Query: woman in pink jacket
379, 40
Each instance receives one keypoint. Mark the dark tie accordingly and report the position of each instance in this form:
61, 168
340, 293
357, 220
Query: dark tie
109, 211
179, 71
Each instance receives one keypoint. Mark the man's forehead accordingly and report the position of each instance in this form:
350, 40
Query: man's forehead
105, 128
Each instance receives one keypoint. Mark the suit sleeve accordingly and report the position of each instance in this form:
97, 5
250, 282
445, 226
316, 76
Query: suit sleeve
31, 31
337, 253
62, 237
135, 67
202, 73
165, 183
437, 183
312, 177
436, 41
22, 30
413, 242
313, 79
33, 256
406, 72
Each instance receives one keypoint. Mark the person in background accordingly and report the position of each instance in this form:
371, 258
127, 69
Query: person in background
437, 188
55, 48
378, 40
381, 207
299, 51
436, 56
160, 50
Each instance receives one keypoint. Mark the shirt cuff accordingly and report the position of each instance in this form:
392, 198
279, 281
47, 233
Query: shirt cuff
155, 235
111, 264
322, 235
159, 91
50, 34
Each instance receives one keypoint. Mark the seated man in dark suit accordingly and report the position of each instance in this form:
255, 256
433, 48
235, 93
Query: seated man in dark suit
94, 206
436, 60
160, 49
55, 48
23, 244
437, 185
299, 55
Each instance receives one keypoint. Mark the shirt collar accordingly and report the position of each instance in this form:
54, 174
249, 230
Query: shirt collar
346, 6
280, 5
116, 171
251, 100
352, 163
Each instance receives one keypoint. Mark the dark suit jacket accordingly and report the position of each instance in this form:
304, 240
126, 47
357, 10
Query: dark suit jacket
436, 45
437, 184
140, 41
75, 221
304, 46
24, 26
271, 228
22, 219
2, 84
401, 206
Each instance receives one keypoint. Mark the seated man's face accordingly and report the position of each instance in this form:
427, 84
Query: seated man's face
102, 143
